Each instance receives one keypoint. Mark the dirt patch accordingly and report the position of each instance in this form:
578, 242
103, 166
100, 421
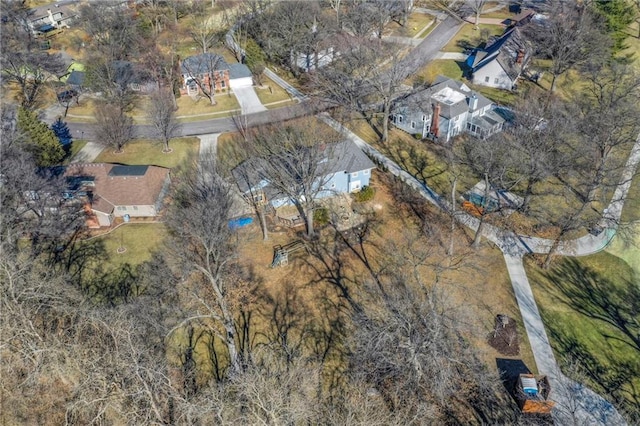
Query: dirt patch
504, 338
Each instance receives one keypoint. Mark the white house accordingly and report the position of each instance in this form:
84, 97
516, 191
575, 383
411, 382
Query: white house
446, 109
501, 62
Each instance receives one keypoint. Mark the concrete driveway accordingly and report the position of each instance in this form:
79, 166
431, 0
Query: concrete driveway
248, 100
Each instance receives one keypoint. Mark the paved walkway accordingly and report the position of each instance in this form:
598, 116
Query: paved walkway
208, 146
88, 153
293, 92
452, 55
575, 403
248, 100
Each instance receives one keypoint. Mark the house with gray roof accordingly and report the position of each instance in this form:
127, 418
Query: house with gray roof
446, 109
502, 61
211, 70
344, 169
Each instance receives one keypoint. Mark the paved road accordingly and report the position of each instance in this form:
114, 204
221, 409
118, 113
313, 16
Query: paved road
418, 57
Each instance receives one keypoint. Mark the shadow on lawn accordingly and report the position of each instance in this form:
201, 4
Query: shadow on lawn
588, 293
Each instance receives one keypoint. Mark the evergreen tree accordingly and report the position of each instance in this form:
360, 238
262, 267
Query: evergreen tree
40, 139
63, 133
618, 16
255, 60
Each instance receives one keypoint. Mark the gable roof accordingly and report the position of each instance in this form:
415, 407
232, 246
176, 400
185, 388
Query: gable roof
239, 71
201, 64
505, 49
454, 98
343, 157
118, 185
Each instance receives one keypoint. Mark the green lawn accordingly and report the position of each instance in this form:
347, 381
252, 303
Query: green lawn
416, 23
587, 303
139, 239
145, 152
271, 92
202, 107
468, 37
446, 67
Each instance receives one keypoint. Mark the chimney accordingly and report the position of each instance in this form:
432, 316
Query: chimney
435, 120
53, 21
520, 56
473, 102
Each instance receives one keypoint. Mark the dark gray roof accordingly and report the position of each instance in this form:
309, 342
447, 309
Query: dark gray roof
128, 170
239, 71
76, 78
343, 157
505, 50
422, 101
202, 64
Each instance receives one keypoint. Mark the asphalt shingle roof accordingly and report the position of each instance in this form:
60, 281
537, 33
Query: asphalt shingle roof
344, 156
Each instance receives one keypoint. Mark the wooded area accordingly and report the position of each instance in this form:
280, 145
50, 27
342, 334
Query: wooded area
363, 328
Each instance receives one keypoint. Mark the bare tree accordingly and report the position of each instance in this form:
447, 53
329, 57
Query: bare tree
162, 115
569, 36
114, 128
205, 71
205, 32
295, 160
365, 79
204, 245
30, 70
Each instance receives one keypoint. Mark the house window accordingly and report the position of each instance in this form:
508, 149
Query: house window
135, 207
424, 117
496, 80
223, 84
413, 124
354, 174
135, 87
400, 119
486, 79
365, 172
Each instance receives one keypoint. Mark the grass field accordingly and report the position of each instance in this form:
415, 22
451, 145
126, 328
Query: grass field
588, 306
139, 239
468, 37
271, 92
416, 23
145, 152
446, 67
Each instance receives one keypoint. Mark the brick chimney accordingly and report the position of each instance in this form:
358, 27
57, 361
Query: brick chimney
435, 120
520, 56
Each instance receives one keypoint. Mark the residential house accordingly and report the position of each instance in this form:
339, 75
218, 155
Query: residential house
502, 61
211, 70
114, 190
446, 109
46, 19
345, 169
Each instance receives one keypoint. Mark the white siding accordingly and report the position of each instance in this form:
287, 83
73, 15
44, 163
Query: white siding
493, 71
241, 82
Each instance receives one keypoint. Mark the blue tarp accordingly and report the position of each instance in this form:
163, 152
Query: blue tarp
240, 222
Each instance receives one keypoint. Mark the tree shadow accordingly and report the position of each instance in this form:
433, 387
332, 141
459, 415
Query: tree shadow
592, 295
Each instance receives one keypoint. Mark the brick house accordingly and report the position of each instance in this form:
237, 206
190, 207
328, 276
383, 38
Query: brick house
113, 190
213, 72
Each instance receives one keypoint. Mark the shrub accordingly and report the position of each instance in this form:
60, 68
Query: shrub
365, 194
418, 136
321, 216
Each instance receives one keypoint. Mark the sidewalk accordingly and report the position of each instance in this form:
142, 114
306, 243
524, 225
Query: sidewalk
575, 402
